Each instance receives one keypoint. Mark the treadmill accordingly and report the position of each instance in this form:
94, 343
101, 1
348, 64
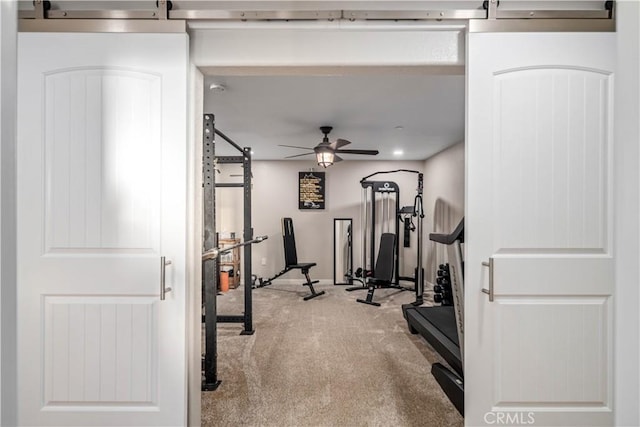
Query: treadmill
442, 326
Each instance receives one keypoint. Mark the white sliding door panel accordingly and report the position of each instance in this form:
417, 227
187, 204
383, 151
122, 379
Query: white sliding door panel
539, 183
101, 171
99, 350
551, 151
574, 327
101, 197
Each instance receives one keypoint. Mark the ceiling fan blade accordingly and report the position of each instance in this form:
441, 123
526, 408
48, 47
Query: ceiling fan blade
337, 159
339, 143
295, 146
298, 155
368, 152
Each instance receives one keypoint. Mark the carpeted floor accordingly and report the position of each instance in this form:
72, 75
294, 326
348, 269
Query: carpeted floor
325, 362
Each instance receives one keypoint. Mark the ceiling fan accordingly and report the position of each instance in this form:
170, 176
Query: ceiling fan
326, 152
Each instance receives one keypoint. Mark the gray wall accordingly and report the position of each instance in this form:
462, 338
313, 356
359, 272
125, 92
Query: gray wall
275, 193
443, 200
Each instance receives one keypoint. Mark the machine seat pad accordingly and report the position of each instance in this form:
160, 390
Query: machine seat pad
303, 265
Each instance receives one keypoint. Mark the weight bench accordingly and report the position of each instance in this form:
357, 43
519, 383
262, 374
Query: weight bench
383, 272
291, 261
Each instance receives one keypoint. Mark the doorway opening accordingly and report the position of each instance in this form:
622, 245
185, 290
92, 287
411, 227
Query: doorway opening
415, 118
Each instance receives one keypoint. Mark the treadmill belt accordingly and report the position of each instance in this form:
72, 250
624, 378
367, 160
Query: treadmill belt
438, 326
444, 319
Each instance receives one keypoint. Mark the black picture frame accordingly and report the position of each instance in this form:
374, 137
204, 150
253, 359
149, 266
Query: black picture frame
311, 190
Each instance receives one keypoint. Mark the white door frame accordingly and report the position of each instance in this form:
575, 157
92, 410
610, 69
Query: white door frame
627, 233
222, 50
8, 266
194, 245
626, 391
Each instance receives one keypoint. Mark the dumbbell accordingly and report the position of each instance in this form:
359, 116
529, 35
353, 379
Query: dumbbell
443, 270
444, 281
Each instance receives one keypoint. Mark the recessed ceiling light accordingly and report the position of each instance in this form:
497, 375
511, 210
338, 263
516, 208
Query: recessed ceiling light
398, 152
399, 127
216, 87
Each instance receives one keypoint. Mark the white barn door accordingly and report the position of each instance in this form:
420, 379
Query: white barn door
101, 198
539, 205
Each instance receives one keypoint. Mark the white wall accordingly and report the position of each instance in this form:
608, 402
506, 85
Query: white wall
337, 43
275, 195
627, 214
8, 83
443, 201
229, 201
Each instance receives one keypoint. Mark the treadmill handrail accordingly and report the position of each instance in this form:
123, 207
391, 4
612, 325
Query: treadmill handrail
449, 239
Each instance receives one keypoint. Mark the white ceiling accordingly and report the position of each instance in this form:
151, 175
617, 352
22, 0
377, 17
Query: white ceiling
264, 111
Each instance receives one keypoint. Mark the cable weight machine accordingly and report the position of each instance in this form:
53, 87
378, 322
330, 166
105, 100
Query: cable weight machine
387, 195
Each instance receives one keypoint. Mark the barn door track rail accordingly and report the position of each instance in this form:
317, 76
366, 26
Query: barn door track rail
489, 15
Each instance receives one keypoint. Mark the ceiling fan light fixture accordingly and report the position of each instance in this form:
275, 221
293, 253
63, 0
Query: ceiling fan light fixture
328, 153
325, 157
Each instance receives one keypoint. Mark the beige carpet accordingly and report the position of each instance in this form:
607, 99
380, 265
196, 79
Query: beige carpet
325, 362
